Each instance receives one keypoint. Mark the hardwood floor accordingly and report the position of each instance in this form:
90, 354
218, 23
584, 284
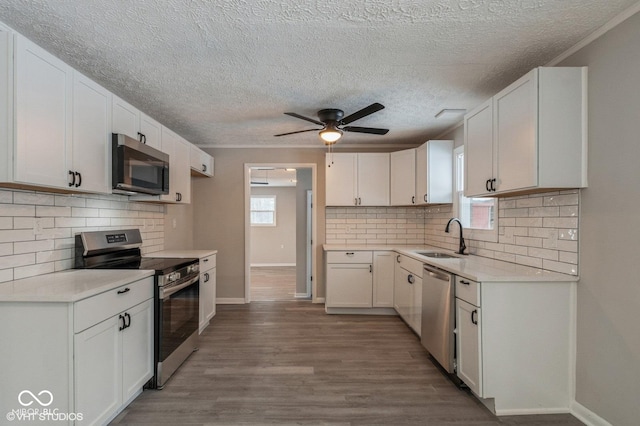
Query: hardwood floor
270, 283
289, 363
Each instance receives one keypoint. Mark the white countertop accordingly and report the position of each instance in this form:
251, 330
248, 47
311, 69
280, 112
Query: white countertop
68, 286
472, 267
198, 254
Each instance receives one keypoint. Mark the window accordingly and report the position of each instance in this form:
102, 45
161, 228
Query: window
263, 210
479, 215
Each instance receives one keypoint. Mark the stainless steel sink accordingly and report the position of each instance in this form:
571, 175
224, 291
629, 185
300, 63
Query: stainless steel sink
436, 254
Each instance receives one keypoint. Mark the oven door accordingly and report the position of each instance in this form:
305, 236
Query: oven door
178, 316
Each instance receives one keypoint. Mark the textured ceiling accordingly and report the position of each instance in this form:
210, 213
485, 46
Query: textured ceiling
221, 73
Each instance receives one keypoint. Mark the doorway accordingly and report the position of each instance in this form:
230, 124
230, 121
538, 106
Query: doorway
279, 231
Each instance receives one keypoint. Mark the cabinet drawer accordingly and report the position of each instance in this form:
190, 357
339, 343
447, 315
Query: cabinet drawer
468, 290
207, 263
412, 265
349, 257
95, 309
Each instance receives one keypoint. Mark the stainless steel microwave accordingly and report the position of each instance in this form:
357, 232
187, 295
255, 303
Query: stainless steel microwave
138, 168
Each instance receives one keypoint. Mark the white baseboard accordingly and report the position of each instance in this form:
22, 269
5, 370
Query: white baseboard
319, 300
587, 416
302, 296
229, 300
258, 265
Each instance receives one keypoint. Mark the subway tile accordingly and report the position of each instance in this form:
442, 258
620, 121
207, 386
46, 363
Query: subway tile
53, 211
54, 255
34, 198
563, 268
524, 212
561, 200
543, 253
84, 212
6, 222
560, 222
544, 211
529, 202
64, 243
70, 222
17, 260
568, 257
569, 211
33, 270
529, 222
568, 234
529, 241
543, 233
30, 222
98, 221
63, 265
529, 261
505, 257
514, 249
17, 210
70, 201
32, 246
100, 204
11, 235
6, 249
6, 197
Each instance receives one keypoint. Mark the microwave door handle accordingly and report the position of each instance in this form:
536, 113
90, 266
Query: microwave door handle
171, 290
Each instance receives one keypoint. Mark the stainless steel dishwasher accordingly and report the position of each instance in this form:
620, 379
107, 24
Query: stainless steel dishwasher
438, 315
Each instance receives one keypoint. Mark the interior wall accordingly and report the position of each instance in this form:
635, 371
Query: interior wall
608, 341
276, 245
218, 210
304, 184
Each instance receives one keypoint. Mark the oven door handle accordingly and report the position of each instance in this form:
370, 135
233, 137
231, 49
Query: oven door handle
171, 290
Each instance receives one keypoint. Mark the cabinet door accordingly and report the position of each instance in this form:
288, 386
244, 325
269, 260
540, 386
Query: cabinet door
214, 286
206, 299
91, 135
478, 150
201, 162
97, 363
373, 179
383, 275
402, 293
403, 177
349, 285
434, 172
43, 116
340, 179
169, 142
137, 349
180, 170
416, 304
468, 343
151, 130
125, 118
6, 101
515, 111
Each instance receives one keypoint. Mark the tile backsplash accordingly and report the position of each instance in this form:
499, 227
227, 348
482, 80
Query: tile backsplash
37, 229
539, 230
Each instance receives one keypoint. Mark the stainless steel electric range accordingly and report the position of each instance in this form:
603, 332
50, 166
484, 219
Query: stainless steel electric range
177, 292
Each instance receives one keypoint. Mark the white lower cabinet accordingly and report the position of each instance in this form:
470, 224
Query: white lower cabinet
362, 280
207, 290
99, 352
468, 343
513, 344
407, 293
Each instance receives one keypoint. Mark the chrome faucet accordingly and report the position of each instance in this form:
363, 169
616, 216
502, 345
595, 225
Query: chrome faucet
463, 246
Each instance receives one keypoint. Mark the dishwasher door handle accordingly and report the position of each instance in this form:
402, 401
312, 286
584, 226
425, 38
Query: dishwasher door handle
441, 275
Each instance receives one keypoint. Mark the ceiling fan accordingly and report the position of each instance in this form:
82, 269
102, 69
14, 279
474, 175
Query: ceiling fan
334, 122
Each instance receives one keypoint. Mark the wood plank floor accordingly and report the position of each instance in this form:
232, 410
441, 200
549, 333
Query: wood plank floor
270, 283
288, 363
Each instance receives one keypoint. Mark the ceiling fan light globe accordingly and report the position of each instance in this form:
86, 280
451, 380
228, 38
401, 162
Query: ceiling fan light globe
330, 136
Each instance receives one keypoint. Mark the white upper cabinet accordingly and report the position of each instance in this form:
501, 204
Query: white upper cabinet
403, 177
341, 178
130, 121
530, 136
150, 131
434, 172
6, 103
43, 87
201, 162
360, 179
179, 176
91, 137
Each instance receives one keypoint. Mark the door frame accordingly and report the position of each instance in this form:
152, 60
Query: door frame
247, 223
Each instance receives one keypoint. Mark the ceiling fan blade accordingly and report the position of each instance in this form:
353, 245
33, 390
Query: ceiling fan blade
299, 131
372, 130
302, 117
362, 113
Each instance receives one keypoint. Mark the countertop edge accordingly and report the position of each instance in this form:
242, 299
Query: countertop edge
473, 267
